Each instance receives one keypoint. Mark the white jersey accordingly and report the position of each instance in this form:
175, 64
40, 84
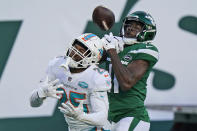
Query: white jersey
91, 86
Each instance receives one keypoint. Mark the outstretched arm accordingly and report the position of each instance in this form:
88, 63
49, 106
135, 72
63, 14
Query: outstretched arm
35, 100
126, 76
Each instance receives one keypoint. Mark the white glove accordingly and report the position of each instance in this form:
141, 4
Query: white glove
113, 42
119, 43
75, 112
108, 42
48, 89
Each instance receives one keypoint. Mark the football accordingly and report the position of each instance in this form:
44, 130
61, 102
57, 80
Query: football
103, 17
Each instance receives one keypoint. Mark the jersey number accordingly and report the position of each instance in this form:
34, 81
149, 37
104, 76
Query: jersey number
99, 70
73, 98
115, 84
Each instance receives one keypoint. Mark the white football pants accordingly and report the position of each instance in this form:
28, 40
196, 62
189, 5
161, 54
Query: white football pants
130, 124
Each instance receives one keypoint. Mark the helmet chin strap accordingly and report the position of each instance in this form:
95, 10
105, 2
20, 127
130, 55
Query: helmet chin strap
129, 41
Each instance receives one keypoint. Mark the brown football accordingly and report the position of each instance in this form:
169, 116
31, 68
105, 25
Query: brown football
103, 17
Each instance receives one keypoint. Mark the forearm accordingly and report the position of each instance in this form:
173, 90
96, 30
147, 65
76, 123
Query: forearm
96, 119
123, 75
35, 100
98, 116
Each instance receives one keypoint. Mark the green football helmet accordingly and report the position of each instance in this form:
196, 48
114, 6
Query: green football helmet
149, 29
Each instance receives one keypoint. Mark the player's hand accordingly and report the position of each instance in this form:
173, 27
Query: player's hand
69, 110
108, 42
113, 42
49, 89
119, 43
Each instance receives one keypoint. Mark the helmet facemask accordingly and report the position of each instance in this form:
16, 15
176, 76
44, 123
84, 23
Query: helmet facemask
84, 51
79, 59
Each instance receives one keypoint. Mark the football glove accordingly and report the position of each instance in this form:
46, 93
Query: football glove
69, 110
113, 42
49, 89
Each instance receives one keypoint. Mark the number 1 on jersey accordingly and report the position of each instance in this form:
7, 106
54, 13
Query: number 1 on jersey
114, 80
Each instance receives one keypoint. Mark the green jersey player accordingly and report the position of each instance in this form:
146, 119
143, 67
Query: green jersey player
129, 69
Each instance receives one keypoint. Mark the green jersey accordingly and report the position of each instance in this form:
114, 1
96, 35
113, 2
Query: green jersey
130, 103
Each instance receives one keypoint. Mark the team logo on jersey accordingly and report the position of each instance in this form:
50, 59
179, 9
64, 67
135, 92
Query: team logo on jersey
83, 84
127, 58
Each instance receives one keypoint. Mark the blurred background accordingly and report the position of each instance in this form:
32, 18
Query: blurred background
34, 31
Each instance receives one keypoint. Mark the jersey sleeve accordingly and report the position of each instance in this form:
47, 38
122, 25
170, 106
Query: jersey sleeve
101, 80
36, 99
146, 52
54, 67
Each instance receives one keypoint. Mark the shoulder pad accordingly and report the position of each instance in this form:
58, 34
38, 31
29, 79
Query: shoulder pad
54, 65
55, 61
145, 49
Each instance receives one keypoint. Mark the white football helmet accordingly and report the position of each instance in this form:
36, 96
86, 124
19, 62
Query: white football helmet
94, 51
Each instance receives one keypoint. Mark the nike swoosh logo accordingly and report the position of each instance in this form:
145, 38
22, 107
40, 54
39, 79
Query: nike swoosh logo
149, 46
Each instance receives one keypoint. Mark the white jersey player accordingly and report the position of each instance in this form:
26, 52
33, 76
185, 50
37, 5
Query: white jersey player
79, 84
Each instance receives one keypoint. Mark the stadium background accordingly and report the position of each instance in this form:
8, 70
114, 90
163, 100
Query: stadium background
33, 32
